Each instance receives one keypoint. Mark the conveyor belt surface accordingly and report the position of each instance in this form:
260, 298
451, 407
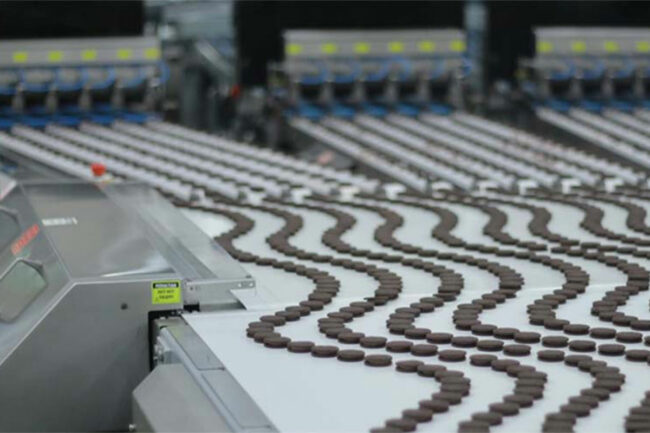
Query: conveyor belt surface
436, 310
470, 152
492, 312
613, 131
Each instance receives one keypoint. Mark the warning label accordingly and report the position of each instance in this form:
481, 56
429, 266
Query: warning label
165, 292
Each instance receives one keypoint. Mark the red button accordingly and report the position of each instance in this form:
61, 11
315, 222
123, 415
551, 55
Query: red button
98, 169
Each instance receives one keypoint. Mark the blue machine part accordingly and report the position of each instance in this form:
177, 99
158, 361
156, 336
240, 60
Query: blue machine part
408, 110
559, 105
593, 106
39, 110
6, 123
317, 79
33, 121
71, 110
407, 67
309, 111
380, 74
385, 68
164, 72
467, 67
67, 86
566, 74
135, 81
108, 82
134, 117
622, 105
70, 121
7, 90
386, 64
104, 109
102, 119
440, 109
627, 71
351, 77
439, 70
595, 72
34, 87
375, 110
343, 111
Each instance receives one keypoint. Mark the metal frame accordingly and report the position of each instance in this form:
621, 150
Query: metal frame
301, 44
70, 360
206, 396
86, 51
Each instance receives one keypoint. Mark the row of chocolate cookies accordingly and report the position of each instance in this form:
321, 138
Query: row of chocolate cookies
576, 278
529, 387
540, 313
638, 418
332, 326
507, 288
636, 215
509, 280
446, 394
578, 405
265, 330
606, 381
541, 310
453, 355
637, 276
587, 250
490, 345
451, 281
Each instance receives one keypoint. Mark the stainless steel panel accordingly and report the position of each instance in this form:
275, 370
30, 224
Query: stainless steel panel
95, 238
169, 400
332, 43
76, 370
86, 51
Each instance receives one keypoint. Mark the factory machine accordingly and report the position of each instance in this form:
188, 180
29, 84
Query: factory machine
592, 83
473, 277
86, 267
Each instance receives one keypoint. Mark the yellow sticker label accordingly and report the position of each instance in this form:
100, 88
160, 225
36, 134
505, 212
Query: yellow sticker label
294, 49
124, 54
88, 55
544, 47
578, 46
152, 53
166, 292
611, 46
329, 48
643, 46
457, 45
395, 47
20, 57
362, 48
55, 56
427, 46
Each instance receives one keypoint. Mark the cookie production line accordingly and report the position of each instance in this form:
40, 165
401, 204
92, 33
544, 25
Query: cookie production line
473, 276
380, 307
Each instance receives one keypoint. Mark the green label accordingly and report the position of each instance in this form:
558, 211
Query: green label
166, 292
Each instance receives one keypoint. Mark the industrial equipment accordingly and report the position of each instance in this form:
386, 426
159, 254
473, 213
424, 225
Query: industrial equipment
466, 275
85, 268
